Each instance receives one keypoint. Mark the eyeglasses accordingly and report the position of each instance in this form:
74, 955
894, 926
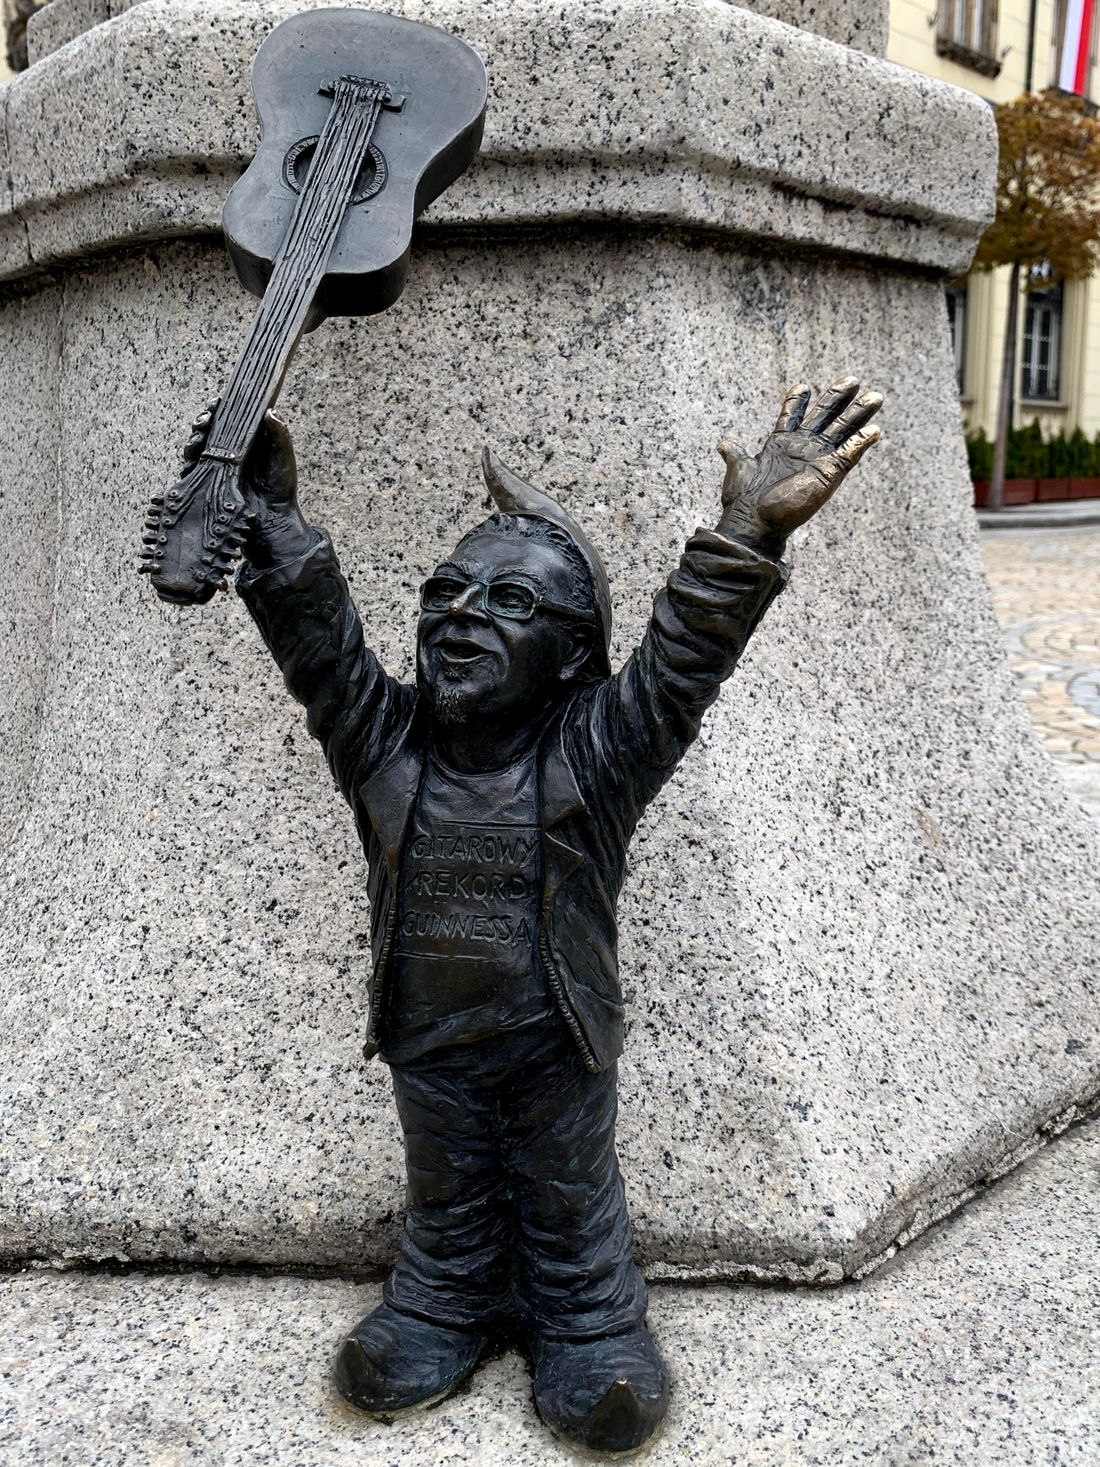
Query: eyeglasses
510, 599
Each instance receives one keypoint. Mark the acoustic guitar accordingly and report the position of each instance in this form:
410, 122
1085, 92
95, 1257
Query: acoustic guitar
365, 119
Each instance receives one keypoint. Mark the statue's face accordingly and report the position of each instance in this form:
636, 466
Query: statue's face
476, 663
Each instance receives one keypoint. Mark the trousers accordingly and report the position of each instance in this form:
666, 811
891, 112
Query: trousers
515, 1203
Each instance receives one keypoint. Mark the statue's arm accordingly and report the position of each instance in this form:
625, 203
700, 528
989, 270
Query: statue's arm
646, 717
291, 583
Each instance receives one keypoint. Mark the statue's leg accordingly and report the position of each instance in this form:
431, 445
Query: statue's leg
445, 1299
599, 1379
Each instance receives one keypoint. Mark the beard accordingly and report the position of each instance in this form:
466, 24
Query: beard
452, 704
454, 699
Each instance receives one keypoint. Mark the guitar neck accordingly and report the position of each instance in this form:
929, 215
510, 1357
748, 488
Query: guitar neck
299, 268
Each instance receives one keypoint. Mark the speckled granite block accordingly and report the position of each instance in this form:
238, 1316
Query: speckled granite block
858, 932
862, 24
30, 349
978, 1346
14, 249
691, 112
61, 21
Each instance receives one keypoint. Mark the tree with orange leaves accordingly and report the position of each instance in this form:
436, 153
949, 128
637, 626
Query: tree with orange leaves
1047, 225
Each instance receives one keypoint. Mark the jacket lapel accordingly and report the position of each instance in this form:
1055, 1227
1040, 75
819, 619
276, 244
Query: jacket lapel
561, 798
389, 795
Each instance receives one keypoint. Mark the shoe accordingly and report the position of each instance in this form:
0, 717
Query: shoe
393, 1362
609, 1395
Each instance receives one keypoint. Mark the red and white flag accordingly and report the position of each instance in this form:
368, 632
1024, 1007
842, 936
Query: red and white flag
1073, 73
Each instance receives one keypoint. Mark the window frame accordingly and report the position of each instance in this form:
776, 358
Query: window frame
1050, 299
966, 32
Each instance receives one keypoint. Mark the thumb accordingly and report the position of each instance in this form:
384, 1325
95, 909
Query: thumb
271, 463
739, 465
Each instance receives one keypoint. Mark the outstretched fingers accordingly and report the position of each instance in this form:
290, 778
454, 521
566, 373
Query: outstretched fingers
831, 404
858, 412
739, 467
850, 452
794, 408
732, 451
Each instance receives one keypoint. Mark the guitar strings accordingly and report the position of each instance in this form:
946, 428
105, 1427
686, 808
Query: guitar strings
299, 266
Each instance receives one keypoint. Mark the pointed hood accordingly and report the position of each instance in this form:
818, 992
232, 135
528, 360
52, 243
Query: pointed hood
514, 495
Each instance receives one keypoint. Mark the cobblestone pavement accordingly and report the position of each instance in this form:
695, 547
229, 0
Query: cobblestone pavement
1046, 590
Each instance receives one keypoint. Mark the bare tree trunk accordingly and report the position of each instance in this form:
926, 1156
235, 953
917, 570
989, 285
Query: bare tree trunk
1004, 403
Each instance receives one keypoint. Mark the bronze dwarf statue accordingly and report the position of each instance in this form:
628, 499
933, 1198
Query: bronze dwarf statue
496, 798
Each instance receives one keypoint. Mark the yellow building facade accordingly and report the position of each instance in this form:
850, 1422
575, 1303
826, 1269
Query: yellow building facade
988, 47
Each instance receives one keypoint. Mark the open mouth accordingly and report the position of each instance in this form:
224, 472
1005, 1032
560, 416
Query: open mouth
460, 651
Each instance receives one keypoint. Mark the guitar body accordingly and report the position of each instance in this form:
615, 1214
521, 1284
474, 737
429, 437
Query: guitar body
424, 147
365, 119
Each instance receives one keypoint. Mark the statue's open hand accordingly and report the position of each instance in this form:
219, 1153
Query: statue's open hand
800, 466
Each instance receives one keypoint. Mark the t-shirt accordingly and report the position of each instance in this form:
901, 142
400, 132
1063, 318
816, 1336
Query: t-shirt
465, 964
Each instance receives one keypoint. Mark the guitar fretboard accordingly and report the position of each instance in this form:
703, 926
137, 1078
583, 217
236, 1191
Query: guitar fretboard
299, 267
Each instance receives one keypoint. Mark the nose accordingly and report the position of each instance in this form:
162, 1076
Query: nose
469, 602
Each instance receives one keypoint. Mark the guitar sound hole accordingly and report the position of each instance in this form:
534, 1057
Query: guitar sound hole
371, 179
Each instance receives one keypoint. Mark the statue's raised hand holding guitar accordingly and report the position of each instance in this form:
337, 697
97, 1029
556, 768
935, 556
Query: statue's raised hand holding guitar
366, 119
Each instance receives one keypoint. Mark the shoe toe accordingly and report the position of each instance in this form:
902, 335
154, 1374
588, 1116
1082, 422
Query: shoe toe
609, 1396
622, 1420
358, 1379
393, 1363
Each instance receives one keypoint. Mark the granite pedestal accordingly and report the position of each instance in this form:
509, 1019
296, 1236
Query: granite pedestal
858, 933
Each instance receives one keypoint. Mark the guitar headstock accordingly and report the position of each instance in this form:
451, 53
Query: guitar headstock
326, 208
193, 534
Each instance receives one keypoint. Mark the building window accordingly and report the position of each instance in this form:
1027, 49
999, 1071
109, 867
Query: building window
966, 32
956, 316
1039, 378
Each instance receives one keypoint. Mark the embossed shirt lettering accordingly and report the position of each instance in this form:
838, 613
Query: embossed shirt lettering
468, 918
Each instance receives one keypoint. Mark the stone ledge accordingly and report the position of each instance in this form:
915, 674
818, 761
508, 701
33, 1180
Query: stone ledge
862, 24
686, 112
978, 1345
60, 21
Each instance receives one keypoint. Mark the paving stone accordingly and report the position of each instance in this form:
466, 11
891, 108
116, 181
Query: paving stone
1046, 591
978, 1346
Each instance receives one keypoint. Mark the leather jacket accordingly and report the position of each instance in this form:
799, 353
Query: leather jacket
602, 756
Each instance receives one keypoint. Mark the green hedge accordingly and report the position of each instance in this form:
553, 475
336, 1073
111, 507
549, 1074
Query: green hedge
1028, 456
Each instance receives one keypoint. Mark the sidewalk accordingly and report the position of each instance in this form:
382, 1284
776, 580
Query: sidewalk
1063, 515
1046, 591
